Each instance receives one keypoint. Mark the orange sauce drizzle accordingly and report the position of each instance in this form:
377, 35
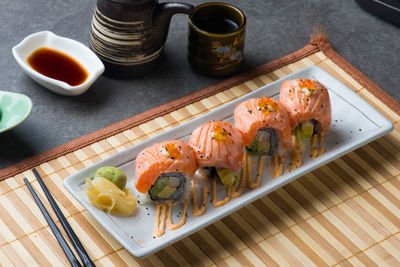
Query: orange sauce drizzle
195, 209
173, 151
218, 203
266, 105
296, 159
314, 148
248, 170
260, 171
159, 223
321, 149
219, 133
237, 188
237, 191
257, 183
277, 165
316, 151
173, 226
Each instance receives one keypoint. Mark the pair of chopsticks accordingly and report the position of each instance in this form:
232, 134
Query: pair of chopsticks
67, 227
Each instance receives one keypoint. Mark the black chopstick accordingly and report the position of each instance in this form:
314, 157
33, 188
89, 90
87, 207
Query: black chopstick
67, 227
67, 250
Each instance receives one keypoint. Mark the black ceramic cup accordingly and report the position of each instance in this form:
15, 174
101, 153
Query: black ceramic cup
216, 38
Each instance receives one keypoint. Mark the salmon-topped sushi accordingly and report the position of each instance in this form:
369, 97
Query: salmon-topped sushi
167, 163
218, 149
257, 116
164, 172
266, 127
310, 112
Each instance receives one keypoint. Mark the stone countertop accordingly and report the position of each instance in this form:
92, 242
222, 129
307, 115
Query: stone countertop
274, 29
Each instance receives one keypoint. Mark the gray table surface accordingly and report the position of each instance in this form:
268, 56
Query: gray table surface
275, 28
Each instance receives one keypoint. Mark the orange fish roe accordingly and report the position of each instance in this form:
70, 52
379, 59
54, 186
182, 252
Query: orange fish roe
266, 105
306, 83
173, 151
219, 133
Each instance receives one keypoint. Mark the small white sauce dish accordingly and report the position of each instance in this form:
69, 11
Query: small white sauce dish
73, 48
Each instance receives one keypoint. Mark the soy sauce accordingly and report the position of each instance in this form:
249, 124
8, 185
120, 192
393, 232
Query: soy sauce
58, 65
216, 24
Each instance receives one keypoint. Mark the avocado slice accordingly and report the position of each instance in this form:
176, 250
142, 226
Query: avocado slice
308, 129
166, 192
263, 143
259, 147
300, 138
228, 176
158, 187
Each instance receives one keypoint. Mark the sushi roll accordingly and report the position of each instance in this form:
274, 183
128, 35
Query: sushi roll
218, 149
163, 172
265, 125
309, 108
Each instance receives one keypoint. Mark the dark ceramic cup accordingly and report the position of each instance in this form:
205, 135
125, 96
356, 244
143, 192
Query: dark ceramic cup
216, 38
129, 35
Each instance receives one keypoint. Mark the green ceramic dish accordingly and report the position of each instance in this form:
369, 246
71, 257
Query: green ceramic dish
14, 109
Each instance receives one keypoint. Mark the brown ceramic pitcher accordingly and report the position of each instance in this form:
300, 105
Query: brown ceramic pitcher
129, 35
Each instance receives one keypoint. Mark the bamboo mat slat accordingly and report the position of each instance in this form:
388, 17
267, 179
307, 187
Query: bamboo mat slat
346, 213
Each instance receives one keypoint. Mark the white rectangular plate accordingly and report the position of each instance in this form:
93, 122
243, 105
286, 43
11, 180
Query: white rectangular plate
354, 123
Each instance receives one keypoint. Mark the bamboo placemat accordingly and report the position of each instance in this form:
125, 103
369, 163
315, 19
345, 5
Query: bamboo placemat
345, 213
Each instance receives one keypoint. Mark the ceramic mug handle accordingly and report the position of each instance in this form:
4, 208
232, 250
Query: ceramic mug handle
162, 17
174, 7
